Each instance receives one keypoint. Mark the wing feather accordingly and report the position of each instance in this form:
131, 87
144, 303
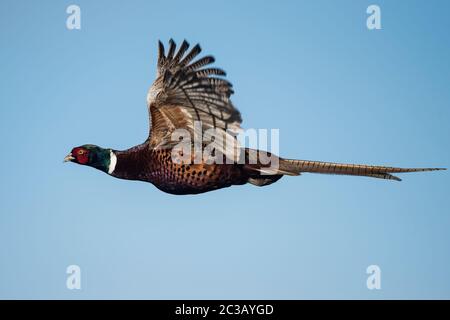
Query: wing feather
172, 46
191, 55
200, 63
184, 46
186, 91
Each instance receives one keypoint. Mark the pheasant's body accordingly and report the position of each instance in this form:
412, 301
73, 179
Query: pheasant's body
156, 166
187, 99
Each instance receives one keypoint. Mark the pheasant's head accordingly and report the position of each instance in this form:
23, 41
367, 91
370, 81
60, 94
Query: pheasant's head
93, 156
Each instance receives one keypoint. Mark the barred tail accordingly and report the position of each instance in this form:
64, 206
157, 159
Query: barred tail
295, 167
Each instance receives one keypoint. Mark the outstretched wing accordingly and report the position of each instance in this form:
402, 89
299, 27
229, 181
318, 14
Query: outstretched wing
185, 92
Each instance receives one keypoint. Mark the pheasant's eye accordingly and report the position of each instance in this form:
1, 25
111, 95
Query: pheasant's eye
80, 152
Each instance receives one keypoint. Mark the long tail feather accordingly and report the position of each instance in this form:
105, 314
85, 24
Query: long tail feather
298, 166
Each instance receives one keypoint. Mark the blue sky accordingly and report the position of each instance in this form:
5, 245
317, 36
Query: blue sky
337, 92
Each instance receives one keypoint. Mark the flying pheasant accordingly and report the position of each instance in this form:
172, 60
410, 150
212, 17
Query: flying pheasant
189, 97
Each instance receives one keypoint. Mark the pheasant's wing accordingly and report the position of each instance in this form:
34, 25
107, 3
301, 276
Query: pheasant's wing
187, 95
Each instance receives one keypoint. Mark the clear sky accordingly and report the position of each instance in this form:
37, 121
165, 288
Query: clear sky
335, 90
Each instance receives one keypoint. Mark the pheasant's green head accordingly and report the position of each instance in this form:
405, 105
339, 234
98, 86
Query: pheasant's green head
93, 156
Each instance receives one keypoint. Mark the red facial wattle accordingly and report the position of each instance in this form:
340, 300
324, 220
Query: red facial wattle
81, 155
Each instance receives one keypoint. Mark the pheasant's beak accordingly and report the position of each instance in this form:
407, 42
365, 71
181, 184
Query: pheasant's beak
69, 157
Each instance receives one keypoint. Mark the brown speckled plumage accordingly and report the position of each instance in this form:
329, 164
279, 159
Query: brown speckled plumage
156, 166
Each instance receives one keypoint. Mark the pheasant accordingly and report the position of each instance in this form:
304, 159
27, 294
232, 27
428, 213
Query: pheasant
194, 97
